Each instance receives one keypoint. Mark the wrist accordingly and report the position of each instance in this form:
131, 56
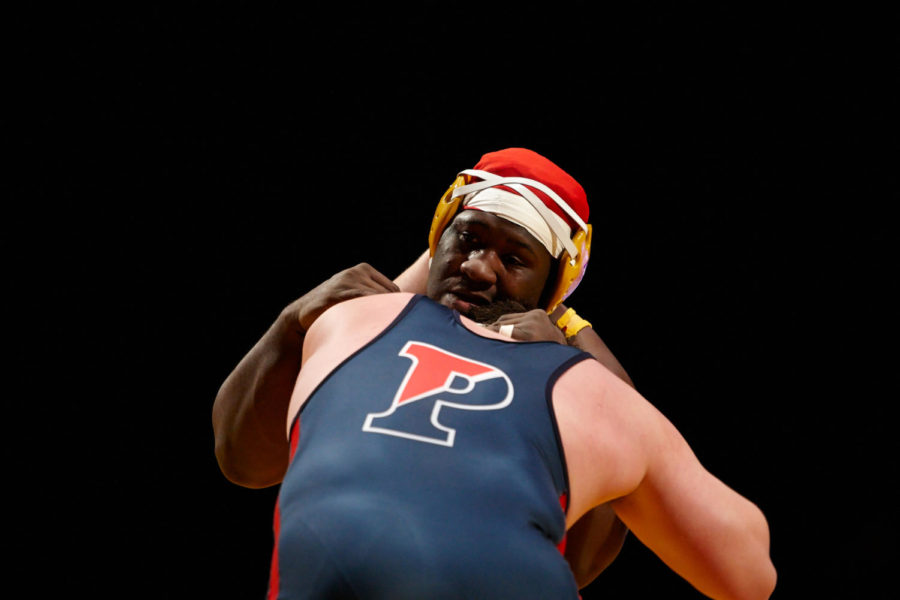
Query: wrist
290, 322
570, 323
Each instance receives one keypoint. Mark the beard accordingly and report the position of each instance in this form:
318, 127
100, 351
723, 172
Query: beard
489, 313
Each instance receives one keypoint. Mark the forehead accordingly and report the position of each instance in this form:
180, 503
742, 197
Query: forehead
500, 228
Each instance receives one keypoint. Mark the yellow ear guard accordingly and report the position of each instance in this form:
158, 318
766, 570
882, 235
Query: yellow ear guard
443, 214
570, 271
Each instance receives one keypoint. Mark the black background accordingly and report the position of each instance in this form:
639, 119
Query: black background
181, 174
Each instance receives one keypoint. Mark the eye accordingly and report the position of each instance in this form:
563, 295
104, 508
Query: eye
514, 260
467, 237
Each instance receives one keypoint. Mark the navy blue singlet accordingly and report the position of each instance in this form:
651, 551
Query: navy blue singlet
428, 466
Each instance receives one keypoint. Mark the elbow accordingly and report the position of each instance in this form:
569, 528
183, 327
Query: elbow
760, 583
230, 467
243, 462
763, 576
763, 584
768, 575
756, 585
240, 473
247, 460
770, 581
750, 573
766, 579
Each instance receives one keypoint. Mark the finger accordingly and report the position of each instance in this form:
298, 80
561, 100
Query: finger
510, 318
380, 281
363, 280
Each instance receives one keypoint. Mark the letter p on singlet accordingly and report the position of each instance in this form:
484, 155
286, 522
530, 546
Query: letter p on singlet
438, 380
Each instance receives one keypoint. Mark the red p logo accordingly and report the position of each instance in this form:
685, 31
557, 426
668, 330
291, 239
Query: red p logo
434, 377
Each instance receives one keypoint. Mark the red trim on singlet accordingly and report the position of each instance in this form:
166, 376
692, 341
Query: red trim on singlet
276, 522
273, 569
564, 502
295, 435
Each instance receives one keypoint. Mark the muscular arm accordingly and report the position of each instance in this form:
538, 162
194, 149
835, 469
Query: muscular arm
701, 528
251, 406
595, 540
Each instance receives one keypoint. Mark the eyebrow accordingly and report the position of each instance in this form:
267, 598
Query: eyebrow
474, 218
523, 245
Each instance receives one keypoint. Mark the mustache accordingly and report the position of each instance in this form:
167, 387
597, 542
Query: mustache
489, 313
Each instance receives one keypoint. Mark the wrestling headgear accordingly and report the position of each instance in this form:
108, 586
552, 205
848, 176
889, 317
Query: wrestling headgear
529, 190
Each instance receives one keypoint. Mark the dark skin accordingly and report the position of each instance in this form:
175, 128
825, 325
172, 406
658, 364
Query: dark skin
480, 259
250, 409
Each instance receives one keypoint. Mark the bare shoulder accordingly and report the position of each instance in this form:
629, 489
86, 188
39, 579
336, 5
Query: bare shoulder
338, 333
602, 421
354, 318
361, 307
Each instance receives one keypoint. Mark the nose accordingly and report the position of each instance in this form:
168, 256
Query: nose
481, 266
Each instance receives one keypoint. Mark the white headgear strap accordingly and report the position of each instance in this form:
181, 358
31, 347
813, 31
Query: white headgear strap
516, 210
559, 232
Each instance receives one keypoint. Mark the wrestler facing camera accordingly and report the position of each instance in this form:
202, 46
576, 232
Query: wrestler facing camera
389, 490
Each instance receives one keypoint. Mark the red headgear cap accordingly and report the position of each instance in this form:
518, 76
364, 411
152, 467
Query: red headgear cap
521, 162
